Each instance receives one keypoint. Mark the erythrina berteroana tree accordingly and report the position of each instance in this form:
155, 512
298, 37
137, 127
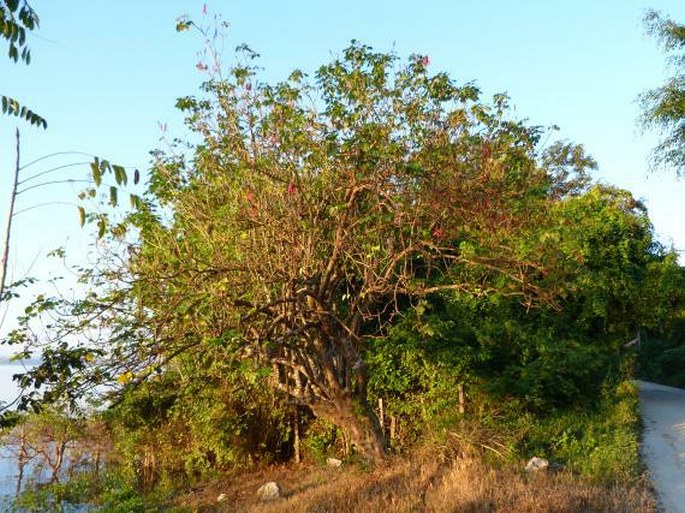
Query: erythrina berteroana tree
309, 215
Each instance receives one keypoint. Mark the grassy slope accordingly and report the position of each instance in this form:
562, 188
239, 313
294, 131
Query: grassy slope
430, 482
599, 451
475, 465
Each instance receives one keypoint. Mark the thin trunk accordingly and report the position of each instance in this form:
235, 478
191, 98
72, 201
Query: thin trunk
8, 227
60, 448
462, 400
346, 445
20, 477
296, 435
23, 458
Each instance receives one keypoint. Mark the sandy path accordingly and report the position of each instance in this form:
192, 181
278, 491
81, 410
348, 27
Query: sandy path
663, 444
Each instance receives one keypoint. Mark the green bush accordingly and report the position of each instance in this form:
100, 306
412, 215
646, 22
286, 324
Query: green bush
321, 440
600, 442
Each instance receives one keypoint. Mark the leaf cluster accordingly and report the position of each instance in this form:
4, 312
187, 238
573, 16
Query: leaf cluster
16, 18
663, 108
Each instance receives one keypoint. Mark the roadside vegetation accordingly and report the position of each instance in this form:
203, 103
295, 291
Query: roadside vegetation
374, 264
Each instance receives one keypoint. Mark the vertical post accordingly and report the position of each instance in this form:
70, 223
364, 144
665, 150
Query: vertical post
462, 400
296, 435
8, 228
381, 414
296, 414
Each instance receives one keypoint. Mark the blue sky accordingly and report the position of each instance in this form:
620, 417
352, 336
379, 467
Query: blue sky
106, 73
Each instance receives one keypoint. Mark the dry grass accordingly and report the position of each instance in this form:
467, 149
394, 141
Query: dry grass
424, 484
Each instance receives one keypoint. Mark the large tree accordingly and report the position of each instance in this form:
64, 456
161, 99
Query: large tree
308, 215
311, 213
663, 108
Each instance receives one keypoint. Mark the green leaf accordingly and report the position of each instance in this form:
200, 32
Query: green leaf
183, 25
113, 196
120, 175
97, 174
81, 216
102, 226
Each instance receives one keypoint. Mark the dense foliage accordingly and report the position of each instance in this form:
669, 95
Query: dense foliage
664, 106
662, 352
352, 260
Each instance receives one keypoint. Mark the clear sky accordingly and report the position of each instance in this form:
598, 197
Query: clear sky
106, 73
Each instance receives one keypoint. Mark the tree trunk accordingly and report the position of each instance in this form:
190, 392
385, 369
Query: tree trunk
358, 420
56, 467
8, 226
23, 458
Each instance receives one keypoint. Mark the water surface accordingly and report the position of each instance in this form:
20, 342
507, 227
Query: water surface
9, 469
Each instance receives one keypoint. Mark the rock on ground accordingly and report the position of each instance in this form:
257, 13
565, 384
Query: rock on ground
269, 491
535, 464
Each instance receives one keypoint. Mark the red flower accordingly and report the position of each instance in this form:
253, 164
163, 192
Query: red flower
425, 61
292, 188
437, 233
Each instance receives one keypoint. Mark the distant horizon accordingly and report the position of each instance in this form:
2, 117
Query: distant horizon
8, 360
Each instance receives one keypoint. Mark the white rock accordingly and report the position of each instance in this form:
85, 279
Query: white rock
535, 464
334, 462
269, 491
222, 497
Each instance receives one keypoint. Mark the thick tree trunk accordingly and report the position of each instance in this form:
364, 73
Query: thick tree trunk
358, 420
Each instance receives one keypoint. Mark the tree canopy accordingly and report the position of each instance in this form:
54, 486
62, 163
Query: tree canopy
663, 108
319, 228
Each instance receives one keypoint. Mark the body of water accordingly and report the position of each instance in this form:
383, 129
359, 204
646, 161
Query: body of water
9, 466
9, 469
8, 389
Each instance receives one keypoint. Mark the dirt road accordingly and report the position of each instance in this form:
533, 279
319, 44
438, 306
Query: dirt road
663, 444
